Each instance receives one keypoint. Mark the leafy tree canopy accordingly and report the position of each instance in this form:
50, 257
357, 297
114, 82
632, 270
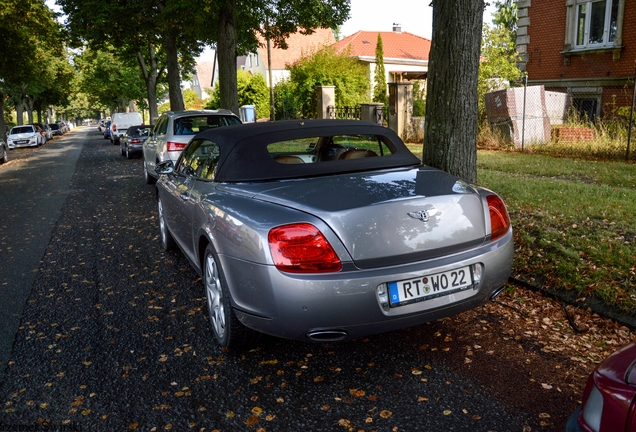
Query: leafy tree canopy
498, 67
327, 67
252, 90
379, 88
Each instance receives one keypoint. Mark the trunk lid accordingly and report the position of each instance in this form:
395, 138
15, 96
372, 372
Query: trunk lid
391, 217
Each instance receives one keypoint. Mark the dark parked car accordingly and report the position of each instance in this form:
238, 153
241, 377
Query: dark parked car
106, 129
55, 129
46, 130
4, 151
131, 143
328, 230
609, 399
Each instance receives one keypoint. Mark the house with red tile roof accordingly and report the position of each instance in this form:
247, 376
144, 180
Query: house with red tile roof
405, 54
297, 46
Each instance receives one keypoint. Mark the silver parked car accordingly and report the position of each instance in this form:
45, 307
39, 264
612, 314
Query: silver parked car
48, 133
173, 131
327, 230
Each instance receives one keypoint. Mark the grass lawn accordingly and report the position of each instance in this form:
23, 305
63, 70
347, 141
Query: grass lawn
574, 222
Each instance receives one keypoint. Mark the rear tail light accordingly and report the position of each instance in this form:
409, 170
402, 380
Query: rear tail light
499, 220
175, 146
301, 248
135, 141
113, 128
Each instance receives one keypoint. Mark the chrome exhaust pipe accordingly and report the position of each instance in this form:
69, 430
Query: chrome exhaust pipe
327, 335
495, 294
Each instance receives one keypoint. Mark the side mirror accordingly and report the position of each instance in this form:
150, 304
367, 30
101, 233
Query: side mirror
166, 167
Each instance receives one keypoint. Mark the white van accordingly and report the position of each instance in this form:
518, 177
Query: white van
120, 122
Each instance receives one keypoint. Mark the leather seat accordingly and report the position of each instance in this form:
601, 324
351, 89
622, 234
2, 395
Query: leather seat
289, 159
357, 154
330, 152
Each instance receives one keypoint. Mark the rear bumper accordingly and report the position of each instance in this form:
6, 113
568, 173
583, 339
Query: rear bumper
135, 148
346, 303
573, 424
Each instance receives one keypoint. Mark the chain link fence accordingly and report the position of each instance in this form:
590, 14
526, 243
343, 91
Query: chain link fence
585, 123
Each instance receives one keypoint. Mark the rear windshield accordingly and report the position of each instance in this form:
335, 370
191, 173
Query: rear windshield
327, 149
140, 132
22, 129
195, 124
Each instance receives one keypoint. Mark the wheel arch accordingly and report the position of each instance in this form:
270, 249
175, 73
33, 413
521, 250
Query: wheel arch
202, 245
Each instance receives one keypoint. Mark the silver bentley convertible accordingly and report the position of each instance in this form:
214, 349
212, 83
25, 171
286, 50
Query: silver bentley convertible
327, 230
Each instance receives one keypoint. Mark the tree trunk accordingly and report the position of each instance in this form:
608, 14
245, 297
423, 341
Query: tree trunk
450, 131
226, 53
174, 75
19, 112
3, 125
151, 76
28, 104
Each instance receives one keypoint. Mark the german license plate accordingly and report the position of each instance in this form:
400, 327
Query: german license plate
429, 287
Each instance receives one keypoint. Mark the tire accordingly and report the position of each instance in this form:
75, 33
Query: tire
128, 155
228, 330
167, 241
5, 156
149, 179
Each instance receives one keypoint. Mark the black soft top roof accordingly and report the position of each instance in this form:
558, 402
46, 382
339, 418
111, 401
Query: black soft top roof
133, 129
244, 156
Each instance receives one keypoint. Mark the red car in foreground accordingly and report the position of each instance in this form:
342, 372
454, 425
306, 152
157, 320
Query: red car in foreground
609, 400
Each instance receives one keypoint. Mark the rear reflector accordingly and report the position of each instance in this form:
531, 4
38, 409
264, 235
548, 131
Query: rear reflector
175, 146
499, 220
301, 248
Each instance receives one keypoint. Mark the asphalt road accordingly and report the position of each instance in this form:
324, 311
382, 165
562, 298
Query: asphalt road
110, 333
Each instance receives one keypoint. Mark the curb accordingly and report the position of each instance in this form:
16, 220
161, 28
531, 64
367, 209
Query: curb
595, 305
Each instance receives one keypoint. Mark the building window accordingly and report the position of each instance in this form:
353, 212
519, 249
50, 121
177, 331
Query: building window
586, 108
597, 23
586, 102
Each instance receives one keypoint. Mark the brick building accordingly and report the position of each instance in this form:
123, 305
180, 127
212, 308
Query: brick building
586, 48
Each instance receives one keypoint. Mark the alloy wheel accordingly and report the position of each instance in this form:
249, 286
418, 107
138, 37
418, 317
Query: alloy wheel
214, 294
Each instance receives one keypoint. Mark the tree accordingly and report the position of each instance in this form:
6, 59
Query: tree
30, 35
252, 90
239, 22
109, 80
285, 101
379, 79
192, 100
327, 67
499, 62
162, 35
506, 16
450, 131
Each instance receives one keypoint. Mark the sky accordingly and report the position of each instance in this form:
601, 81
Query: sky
415, 16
